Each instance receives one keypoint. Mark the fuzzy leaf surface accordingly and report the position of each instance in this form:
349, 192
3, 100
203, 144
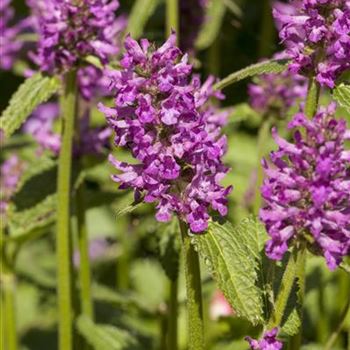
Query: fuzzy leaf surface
342, 95
269, 66
233, 257
34, 91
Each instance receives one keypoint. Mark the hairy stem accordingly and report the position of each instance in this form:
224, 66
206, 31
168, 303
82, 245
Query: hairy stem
263, 136
172, 315
295, 341
313, 97
63, 236
194, 291
296, 259
172, 17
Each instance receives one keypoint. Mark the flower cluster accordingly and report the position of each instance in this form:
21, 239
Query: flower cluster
317, 36
307, 188
72, 30
162, 117
268, 341
191, 19
10, 174
275, 94
41, 126
10, 46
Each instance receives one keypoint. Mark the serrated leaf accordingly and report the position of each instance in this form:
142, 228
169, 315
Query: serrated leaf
31, 223
104, 337
233, 257
169, 248
141, 12
342, 94
269, 66
34, 91
215, 16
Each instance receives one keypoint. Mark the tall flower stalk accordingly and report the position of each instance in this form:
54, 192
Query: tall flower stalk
193, 291
63, 236
161, 115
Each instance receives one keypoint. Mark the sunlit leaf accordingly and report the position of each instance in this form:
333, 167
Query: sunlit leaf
34, 91
232, 254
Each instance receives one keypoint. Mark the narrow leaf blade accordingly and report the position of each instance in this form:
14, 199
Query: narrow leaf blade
270, 66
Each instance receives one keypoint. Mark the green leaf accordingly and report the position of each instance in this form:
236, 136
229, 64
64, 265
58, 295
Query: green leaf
34, 91
169, 248
233, 257
104, 337
141, 12
149, 283
269, 66
30, 223
211, 29
342, 94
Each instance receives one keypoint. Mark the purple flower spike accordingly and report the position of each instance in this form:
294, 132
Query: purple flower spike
307, 188
275, 94
317, 36
72, 30
163, 117
268, 341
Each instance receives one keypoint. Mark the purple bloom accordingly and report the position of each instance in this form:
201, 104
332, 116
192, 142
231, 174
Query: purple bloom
192, 17
70, 31
10, 46
274, 94
307, 188
317, 37
163, 118
41, 126
97, 249
10, 173
268, 341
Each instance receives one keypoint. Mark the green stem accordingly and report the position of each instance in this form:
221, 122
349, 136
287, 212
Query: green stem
296, 258
9, 300
295, 341
313, 97
194, 291
267, 31
172, 17
335, 334
172, 315
123, 260
263, 136
63, 236
84, 267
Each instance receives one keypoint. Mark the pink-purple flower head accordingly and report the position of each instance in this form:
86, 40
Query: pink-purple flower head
71, 30
161, 115
40, 125
317, 37
269, 341
307, 188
